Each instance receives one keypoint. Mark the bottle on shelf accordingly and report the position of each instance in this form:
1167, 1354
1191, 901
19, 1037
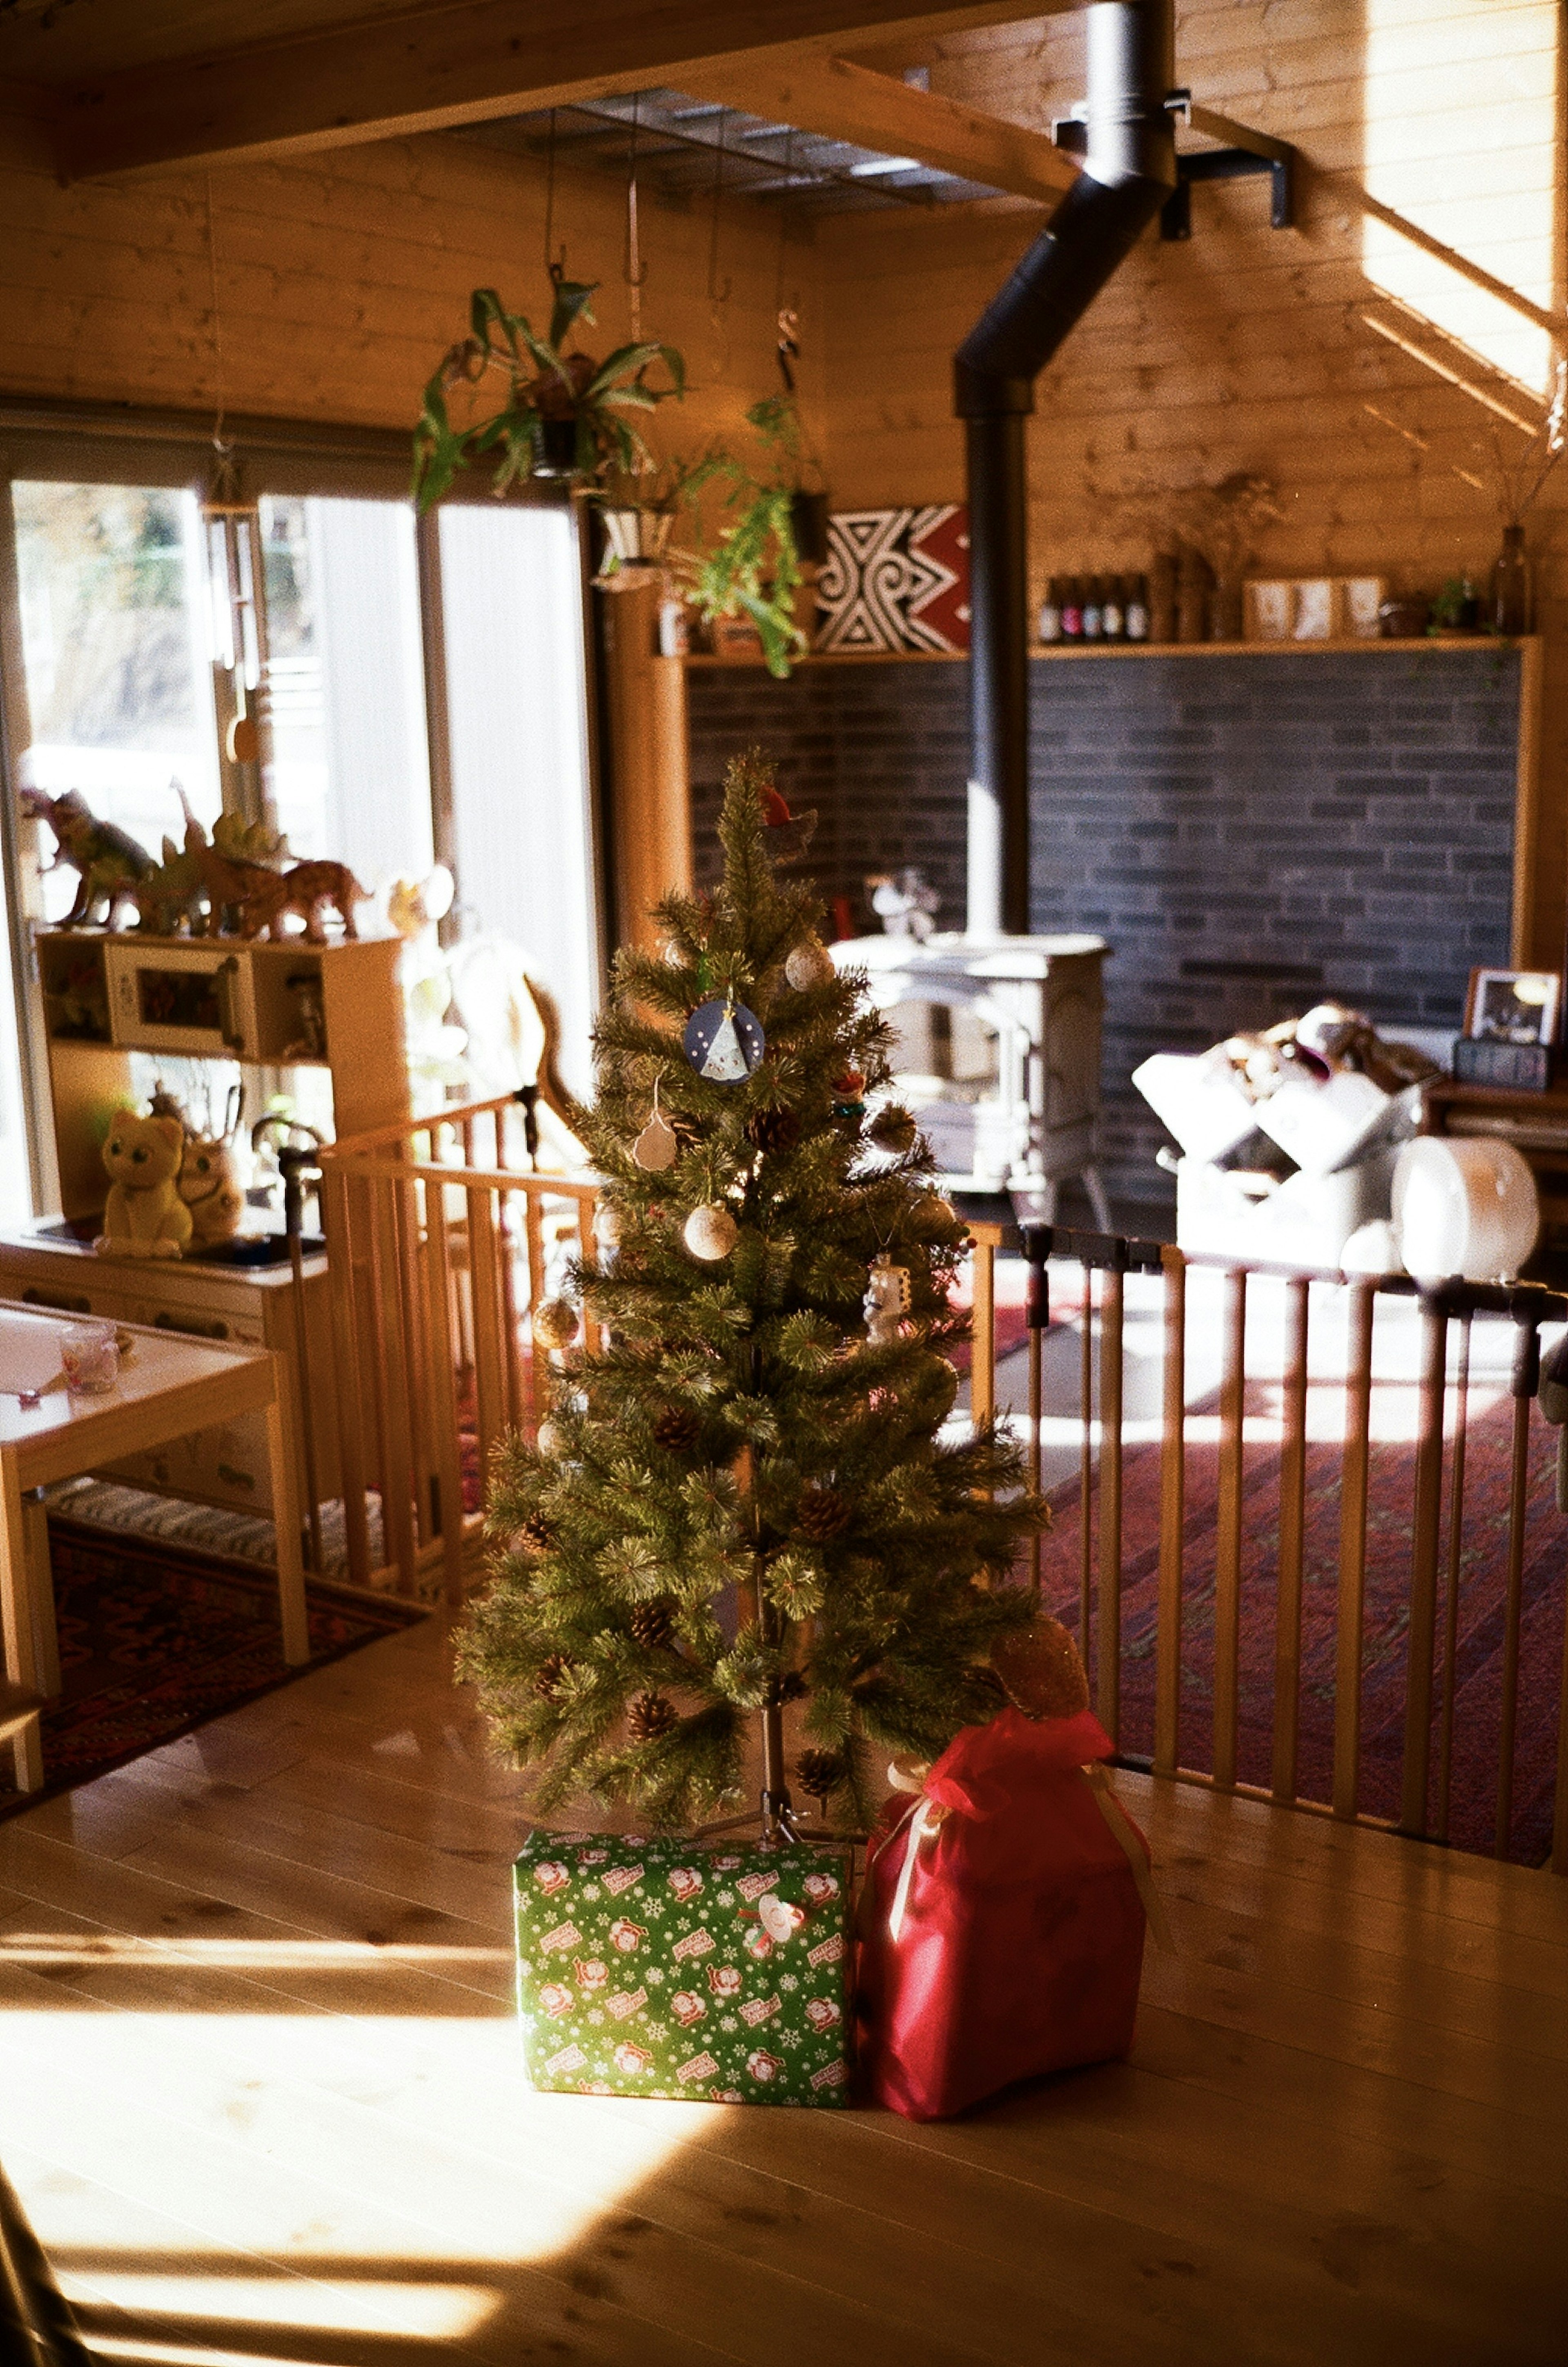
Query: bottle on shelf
1137, 618
1162, 597
1192, 587
1051, 612
1093, 609
1072, 609
1512, 601
1113, 610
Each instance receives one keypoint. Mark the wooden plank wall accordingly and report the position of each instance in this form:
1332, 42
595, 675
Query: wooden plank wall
1245, 350
341, 278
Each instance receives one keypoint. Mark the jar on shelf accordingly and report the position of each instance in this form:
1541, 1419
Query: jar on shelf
1512, 585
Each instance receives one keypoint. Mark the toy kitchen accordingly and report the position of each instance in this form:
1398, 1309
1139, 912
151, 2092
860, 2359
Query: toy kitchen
155, 1045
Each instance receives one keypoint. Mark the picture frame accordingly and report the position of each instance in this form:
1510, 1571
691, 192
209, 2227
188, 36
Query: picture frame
1513, 1006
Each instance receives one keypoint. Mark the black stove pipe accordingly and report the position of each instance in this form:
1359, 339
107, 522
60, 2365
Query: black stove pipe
1129, 170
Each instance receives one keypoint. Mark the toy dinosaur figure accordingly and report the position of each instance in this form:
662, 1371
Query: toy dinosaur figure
109, 863
167, 901
228, 882
304, 889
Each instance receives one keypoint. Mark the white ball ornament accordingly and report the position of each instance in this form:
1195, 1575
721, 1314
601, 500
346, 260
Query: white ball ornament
607, 1227
710, 1233
549, 1439
554, 1323
808, 965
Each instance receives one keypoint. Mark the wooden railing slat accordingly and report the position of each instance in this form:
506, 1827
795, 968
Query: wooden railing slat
1355, 1469
1292, 1540
1227, 1542
1172, 1519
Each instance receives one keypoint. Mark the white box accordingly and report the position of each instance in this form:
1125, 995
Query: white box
1325, 1127
1307, 1221
1196, 1097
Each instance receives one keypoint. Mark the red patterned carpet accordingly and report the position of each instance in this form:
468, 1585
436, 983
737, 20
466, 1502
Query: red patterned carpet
1479, 1653
155, 1641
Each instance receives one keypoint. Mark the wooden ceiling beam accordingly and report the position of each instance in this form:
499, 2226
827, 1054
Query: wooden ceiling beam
452, 63
844, 101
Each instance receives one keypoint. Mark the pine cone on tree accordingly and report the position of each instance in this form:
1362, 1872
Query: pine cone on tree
648, 1716
548, 1675
773, 1130
823, 1515
652, 1625
677, 1429
820, 1772
534, 1537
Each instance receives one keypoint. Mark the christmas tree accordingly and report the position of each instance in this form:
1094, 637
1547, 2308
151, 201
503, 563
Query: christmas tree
744, 1503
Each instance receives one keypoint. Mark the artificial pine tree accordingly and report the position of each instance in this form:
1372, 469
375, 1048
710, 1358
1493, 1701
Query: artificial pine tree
743, 1500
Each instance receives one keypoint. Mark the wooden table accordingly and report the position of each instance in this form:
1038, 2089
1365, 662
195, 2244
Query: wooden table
169, 1386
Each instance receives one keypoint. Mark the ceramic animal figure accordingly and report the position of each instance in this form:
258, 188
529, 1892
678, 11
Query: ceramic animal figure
303, 889
144, 1216
109, 863
211, 1188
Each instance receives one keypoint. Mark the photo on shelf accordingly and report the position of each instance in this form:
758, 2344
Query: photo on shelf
1513, 1006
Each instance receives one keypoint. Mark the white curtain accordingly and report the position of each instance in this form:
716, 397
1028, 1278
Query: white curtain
512, 615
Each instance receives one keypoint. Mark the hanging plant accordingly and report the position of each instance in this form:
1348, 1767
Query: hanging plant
564, 415
753, 567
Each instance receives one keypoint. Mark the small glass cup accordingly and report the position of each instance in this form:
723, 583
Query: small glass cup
90, 1353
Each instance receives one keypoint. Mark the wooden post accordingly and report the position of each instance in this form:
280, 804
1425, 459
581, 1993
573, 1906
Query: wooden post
1172, 1518
1456, 1573
1108, 1670
1086, 1468
444, 1377
1227, 1541
1354, 1472
1292, 1540
1525, 1382
1426, 1522
645, 707
983, 1327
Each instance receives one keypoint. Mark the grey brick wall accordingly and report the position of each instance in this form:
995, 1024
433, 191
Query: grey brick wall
1247, 832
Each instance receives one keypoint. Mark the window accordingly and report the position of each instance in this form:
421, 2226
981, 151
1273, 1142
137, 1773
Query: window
350, 773
116, 654
128, 691
512, 607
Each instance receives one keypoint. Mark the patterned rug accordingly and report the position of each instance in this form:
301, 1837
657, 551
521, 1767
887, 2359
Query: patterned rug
1477, 1657
155, 1641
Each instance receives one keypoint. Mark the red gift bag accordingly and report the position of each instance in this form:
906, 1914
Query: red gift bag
1003, 1921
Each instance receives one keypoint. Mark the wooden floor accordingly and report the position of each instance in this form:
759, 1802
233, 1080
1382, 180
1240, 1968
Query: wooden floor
261, 2094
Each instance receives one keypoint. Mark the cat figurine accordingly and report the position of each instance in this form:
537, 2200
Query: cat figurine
145, 1215
211, 1189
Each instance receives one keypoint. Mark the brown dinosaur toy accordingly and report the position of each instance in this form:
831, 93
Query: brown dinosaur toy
229, 885
109, 863
303, 889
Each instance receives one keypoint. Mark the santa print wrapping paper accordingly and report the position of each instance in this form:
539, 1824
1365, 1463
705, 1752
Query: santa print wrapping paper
1020, 1942
659, 1968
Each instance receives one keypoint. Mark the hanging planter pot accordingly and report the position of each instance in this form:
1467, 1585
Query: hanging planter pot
555, 454
808, 522
638, 538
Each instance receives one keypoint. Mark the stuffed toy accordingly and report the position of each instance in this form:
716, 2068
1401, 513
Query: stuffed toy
145, 1215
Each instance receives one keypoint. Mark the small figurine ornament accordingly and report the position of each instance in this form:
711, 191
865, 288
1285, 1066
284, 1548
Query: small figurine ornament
710, 1233
886, 1300
656, 1147
723, 1041
209, 1185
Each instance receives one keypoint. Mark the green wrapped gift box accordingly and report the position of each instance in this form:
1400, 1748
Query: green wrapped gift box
661, 1968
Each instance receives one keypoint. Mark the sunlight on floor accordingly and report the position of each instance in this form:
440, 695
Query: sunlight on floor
229, 2185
